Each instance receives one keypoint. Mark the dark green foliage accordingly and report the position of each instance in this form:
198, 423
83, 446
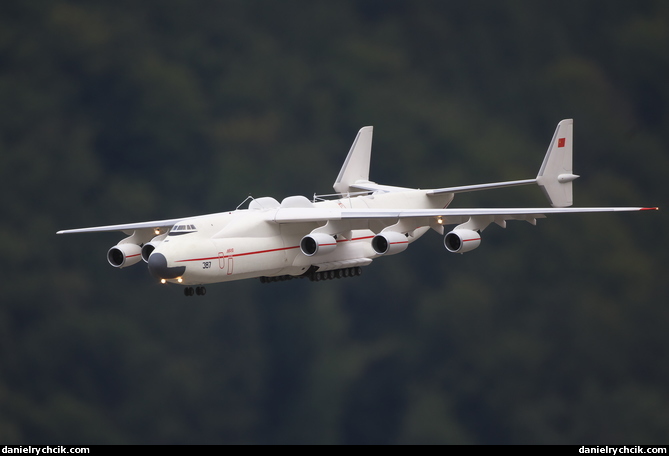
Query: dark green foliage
115, 112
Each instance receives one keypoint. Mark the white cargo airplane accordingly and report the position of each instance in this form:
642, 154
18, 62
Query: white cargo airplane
330, 238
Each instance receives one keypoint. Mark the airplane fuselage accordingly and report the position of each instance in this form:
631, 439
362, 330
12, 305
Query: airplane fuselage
249, 243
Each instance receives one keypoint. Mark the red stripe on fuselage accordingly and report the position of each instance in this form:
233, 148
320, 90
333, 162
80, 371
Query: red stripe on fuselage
263, 251
241, 254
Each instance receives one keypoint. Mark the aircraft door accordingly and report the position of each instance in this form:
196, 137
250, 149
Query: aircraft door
226, 260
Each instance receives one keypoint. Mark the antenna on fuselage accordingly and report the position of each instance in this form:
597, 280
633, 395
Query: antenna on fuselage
242, 203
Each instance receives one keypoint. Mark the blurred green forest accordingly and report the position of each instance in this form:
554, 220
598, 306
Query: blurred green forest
124, 111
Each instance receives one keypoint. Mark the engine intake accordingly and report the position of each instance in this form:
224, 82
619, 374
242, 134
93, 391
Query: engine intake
461, 241
149, 247
390, 243
147, 250
122, 255
317, 244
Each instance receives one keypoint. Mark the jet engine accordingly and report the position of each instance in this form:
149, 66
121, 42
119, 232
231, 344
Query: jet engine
122, 255
147, 250
149, 247
389, 243
461, 241
317, 244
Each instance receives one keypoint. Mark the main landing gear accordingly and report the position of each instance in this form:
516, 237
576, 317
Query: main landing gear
200, 291
316, 276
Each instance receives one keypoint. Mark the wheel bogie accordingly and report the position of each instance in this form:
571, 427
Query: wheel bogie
190, 291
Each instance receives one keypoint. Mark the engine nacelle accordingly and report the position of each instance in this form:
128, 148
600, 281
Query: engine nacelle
461, 241
122, 255
390, 243
317, 244
149, 247
147, 250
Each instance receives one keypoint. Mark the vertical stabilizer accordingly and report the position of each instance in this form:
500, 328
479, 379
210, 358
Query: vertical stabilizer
556, 174
356, 166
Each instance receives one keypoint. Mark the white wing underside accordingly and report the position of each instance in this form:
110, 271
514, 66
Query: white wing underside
162, 225
384, 217
409, 219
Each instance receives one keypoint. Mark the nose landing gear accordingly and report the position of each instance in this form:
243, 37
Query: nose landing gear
200, 291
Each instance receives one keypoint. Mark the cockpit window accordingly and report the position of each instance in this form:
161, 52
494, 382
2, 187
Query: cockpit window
182, 229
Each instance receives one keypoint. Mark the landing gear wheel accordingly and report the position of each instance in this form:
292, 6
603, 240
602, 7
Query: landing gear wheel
200, 291
188, 291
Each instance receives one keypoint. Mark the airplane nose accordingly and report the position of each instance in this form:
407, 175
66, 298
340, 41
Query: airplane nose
158, 267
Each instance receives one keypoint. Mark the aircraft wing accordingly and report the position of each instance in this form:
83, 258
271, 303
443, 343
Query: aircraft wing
162, 225
433, 217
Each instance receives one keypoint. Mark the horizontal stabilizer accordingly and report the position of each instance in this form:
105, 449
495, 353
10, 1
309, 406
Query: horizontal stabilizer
477, 187
373, 187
